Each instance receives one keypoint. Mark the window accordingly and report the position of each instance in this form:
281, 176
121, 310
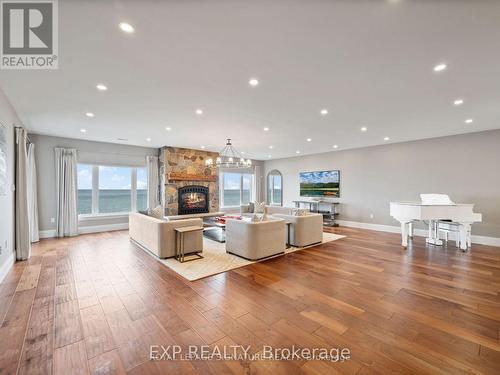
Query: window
142, 189
108, 189
274, 188
115, 189
237, 189
84, 182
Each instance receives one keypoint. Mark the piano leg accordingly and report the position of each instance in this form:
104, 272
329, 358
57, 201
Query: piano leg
464, 236
404, 233
410, 229
433, 236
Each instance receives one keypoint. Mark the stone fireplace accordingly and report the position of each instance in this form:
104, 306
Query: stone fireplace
193, 199
181, 168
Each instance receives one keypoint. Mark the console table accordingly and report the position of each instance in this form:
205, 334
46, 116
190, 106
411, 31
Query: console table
328, 209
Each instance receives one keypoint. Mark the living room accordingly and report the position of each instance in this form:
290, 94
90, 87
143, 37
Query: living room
266, 187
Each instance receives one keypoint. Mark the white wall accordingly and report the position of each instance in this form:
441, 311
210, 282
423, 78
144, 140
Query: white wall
9, 119
88, 152
467, 167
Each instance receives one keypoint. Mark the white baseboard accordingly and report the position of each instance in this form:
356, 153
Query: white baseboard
47, 233
102, 228
480, 240
5, 268
51, 233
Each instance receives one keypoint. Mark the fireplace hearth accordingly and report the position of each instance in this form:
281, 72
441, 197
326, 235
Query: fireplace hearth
193, 199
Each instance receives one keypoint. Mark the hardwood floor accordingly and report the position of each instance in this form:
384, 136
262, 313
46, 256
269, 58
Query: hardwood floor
94, 304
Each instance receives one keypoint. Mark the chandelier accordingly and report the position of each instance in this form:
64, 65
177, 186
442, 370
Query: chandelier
229, 158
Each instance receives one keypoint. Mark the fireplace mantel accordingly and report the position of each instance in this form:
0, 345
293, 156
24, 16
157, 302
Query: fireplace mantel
180, 176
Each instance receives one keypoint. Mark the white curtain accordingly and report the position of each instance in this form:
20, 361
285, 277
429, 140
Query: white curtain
23, 244
66, 192
32, 194
259, 192
152, 169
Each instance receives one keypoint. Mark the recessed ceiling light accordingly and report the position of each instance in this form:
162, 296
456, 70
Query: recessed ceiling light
126, 27
83, 130
199, 111
266, 129
101, 87
308, 139
271, 147
458, 102
469, 121
335, 146
148, 139
202, 147
89, 114
364, 128
253, 82
324, 112
440, 67
168, 128
386, 138
297, 152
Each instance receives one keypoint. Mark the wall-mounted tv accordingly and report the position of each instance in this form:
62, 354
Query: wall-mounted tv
320, 184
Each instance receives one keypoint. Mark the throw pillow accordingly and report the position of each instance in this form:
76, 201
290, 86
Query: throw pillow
259, 207
255, 218
156, 212
299, 212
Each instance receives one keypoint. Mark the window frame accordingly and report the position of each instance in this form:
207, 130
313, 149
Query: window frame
270, 187
221, 189
95, 214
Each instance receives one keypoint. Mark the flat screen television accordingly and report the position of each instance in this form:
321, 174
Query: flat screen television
320, 184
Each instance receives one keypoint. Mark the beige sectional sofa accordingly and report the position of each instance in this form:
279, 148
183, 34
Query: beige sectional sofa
305, 230
158, 236
255, 240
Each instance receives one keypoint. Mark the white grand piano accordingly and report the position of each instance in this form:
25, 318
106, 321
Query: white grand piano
435, 208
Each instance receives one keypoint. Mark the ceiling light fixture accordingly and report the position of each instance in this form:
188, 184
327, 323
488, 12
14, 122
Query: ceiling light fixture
469, 121
168, 128
229, 158
324, 112
335, 146
83, 130
386, 138
308, 139
148, 139
253, 82
199, 111
266, 129
271, 147
458, 102
202, 147
440, 67
297, 152
101, 87
89, 114
364, 128
126, 27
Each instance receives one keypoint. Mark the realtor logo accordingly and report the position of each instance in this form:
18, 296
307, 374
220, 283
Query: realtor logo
29, 34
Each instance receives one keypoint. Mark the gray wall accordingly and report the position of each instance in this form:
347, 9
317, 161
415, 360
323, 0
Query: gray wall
9, 120
88, 152
467, 167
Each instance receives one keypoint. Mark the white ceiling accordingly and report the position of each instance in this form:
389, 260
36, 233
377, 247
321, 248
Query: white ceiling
369, 62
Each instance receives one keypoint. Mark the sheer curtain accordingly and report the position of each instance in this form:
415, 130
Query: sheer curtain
152, 169
66, 192
23, 243
32, 194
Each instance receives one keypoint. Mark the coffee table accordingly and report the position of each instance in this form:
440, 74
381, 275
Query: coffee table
214, 229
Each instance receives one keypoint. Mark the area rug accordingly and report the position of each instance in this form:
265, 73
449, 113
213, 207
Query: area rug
216, 260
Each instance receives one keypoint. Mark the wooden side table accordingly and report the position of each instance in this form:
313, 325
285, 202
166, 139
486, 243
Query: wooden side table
179, 242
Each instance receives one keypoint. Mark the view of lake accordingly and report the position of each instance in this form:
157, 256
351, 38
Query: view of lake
111, 200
